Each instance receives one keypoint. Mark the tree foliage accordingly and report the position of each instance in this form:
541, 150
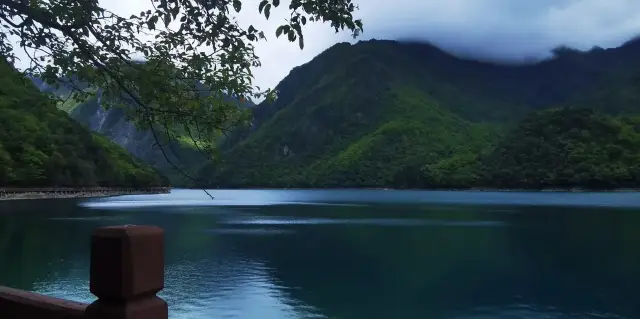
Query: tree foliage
194, 54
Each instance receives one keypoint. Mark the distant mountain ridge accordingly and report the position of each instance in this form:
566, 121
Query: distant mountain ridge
364, 115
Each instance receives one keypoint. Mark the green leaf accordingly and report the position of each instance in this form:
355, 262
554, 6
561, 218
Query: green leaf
175, 10
262, 4
304, 20
296, 26
151, 23
267, 11
307, 7
237, 5
279, 30
276, 3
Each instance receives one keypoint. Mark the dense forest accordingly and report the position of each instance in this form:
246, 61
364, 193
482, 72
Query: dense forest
408, 115
557, 148
567, 148
42, 146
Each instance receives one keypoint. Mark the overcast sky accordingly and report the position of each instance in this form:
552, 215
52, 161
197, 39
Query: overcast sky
498, 29
495, 29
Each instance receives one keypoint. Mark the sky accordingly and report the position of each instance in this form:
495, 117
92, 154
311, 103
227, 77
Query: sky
503, 30
510, 30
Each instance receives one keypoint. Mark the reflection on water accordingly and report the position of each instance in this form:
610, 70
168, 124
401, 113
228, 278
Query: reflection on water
406, 222
384, 254
367, 197
98, 218
235, 287
255, 231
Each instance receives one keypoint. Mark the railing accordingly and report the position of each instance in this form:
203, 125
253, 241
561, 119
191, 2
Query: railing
126, 272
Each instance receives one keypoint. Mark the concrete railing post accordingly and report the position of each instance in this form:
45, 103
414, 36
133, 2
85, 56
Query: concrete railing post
127, 270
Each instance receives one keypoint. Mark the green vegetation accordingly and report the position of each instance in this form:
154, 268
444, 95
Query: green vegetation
406, 115
162, 75
42, 146
375, 114
567, 148
179, 150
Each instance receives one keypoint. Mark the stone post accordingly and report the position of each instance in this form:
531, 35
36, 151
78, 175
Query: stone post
127, 270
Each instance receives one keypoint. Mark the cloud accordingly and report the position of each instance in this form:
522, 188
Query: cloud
504, 30
511, 30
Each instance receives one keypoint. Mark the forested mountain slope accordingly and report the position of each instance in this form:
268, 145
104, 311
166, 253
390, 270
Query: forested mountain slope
139, 142
375, 113
567, 148
42, 146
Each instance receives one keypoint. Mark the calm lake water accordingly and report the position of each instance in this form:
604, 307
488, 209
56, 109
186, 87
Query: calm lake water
351, 254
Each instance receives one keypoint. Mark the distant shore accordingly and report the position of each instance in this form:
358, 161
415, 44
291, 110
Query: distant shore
14, 193
478, 189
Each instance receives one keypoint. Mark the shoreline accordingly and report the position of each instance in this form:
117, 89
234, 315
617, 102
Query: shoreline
478, 189
14, 193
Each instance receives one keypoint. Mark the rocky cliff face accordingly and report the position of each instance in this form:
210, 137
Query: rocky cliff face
113, 124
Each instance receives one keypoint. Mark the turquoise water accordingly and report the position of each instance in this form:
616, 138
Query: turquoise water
351, 254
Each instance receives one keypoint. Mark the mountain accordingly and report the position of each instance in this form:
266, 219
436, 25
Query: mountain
42, 146
392, 114
139, 142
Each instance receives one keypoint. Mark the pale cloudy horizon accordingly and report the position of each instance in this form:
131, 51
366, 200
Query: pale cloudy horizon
508, 30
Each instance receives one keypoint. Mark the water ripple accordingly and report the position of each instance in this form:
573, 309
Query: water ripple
115, 204
91, 218
525, 311
234, 288
252, 231
363, 221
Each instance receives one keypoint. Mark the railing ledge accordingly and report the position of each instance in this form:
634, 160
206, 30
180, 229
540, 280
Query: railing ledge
21, 304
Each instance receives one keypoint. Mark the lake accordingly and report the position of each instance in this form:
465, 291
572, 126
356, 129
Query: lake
351, 254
